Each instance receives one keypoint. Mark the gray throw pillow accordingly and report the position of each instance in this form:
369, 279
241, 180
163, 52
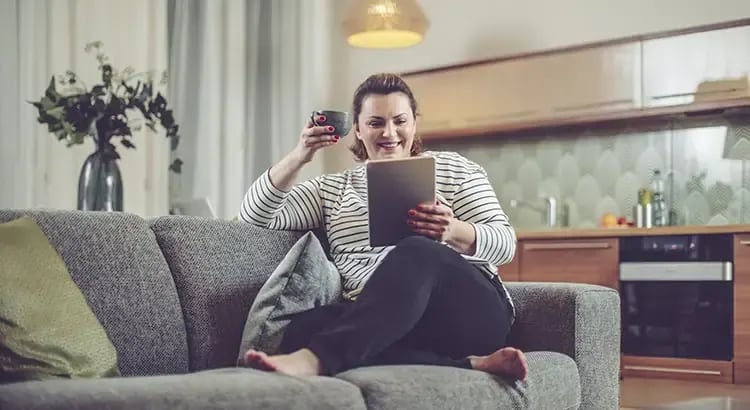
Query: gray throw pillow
304, 279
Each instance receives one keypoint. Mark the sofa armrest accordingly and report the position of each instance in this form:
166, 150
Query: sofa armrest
581, 321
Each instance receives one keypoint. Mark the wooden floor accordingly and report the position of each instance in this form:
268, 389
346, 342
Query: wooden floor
636, 393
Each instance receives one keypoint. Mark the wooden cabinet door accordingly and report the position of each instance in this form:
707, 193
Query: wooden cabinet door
478, 96
501, 93
511, 272
593, 261
705, 66
437, 100
595, 80
742, 308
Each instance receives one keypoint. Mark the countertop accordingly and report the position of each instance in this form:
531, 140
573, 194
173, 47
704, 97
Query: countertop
573, 233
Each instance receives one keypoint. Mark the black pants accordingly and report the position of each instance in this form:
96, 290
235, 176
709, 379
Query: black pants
424, 304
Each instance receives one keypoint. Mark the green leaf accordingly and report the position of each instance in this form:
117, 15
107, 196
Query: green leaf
47, 103
176, 166
175, 141
57, 113
127, 143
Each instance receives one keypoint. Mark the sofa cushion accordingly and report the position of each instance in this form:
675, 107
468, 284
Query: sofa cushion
552, 384
47, 328
215, 389
219, 267
116, 263
304, 279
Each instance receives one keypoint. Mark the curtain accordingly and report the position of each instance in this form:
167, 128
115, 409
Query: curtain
42, 38
244, 76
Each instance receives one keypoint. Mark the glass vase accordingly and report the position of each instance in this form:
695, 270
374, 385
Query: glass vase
100, 182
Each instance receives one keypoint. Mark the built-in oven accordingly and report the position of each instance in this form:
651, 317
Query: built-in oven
676, 294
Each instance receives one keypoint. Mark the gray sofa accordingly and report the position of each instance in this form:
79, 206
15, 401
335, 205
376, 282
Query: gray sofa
173, 294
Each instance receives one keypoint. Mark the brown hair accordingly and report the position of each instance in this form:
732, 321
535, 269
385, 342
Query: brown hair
383, 84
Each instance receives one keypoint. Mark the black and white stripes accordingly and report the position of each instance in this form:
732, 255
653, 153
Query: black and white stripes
339, 203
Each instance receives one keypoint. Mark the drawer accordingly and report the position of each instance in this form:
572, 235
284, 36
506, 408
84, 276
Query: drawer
593, 261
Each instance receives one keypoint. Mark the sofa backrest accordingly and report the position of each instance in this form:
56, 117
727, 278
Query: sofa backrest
115, 261
219, 267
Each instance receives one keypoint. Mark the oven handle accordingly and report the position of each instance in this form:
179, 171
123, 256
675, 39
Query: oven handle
676, 271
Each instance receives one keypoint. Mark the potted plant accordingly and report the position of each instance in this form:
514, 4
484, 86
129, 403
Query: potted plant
122, 103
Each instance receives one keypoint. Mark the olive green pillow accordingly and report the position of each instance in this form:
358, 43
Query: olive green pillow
47, 329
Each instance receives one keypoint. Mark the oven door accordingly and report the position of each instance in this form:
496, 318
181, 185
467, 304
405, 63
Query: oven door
677, 309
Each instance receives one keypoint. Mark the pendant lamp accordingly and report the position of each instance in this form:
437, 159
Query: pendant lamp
384, 23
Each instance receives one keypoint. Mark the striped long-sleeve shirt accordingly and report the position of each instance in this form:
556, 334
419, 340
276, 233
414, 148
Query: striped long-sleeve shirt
338, 203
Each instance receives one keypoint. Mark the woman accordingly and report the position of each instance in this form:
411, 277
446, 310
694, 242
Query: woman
434, 298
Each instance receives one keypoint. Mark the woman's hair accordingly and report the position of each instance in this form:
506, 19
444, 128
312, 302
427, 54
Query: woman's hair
383, 84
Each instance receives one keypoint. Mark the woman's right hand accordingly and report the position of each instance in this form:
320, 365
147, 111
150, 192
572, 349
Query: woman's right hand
312, 138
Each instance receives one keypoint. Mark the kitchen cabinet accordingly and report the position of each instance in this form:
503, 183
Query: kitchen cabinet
593, 261
536, 88
432, 91
502, 93
511, 272
479, 96
696, 67
594, 80
742, 308
632, 78
592, 256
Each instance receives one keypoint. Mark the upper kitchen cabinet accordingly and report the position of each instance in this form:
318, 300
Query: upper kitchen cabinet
433, 90
594, 80
478, 96
697, 67
501, 93
530, 90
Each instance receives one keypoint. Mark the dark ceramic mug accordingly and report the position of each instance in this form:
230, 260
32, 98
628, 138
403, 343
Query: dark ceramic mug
340, 120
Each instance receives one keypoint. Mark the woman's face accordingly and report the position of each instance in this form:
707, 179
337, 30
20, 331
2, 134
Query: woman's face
386, 126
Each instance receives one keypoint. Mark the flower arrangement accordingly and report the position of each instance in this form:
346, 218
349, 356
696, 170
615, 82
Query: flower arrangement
122, 103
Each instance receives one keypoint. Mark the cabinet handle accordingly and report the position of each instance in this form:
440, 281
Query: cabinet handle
672, 370
594, 105
709, 92
565, 246
745, 243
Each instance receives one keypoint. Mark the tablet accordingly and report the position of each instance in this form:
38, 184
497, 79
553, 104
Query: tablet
393, 187
200, 207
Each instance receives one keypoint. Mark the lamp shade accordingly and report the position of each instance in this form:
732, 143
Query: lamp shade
384, 23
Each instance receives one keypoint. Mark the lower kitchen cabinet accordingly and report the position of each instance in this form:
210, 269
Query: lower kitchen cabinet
596, 261
742, 308
593, 261
511, 272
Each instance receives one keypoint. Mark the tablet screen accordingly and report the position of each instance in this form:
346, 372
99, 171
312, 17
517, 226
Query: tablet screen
393, 187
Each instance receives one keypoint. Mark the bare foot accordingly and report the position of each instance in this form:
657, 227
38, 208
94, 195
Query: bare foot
300, 363
507, 361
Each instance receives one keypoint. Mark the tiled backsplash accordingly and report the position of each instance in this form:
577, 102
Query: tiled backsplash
591, 173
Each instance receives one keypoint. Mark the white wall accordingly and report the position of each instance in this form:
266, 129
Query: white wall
44, 38
477, 29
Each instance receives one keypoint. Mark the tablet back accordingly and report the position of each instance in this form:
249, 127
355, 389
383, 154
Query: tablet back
393, 187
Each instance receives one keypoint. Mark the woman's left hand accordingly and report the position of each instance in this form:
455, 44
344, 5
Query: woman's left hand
435, 221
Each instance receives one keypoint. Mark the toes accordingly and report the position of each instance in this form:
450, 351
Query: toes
258, 360
253, 356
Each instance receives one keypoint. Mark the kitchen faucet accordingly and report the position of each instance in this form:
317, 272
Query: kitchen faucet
549, 210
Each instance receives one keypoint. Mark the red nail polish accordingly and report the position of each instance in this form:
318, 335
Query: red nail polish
412, 212
322, 118
335, 137
330, 128
437, 202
